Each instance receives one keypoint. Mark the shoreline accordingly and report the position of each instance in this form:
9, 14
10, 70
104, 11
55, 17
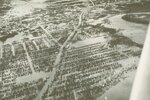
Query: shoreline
127, 81
128, 29
132, 18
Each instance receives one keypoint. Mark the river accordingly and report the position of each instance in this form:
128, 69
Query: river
121, 91
20, 8
134, 31
137, 33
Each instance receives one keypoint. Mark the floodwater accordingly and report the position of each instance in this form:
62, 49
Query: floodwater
134, 31
121, 91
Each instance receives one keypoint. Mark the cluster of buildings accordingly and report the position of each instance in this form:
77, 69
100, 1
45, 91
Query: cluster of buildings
85, 71
24, 58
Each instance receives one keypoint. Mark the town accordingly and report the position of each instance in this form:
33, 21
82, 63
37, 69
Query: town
68, 50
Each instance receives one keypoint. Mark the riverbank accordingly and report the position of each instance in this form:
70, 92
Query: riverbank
136, 32
120, 30
123, 89
137, 18
122, 40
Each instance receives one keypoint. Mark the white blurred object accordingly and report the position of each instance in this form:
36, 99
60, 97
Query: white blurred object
141, 86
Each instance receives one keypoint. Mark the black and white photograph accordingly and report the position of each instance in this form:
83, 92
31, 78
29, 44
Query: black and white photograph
74, 50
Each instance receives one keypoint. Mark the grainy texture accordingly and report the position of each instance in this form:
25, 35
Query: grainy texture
70, 49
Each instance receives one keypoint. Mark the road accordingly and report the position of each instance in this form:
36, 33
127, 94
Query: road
60, 55
49, 35
58, 59
28, 58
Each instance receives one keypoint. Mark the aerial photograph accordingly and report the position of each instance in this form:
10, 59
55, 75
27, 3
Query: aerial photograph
70, 49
